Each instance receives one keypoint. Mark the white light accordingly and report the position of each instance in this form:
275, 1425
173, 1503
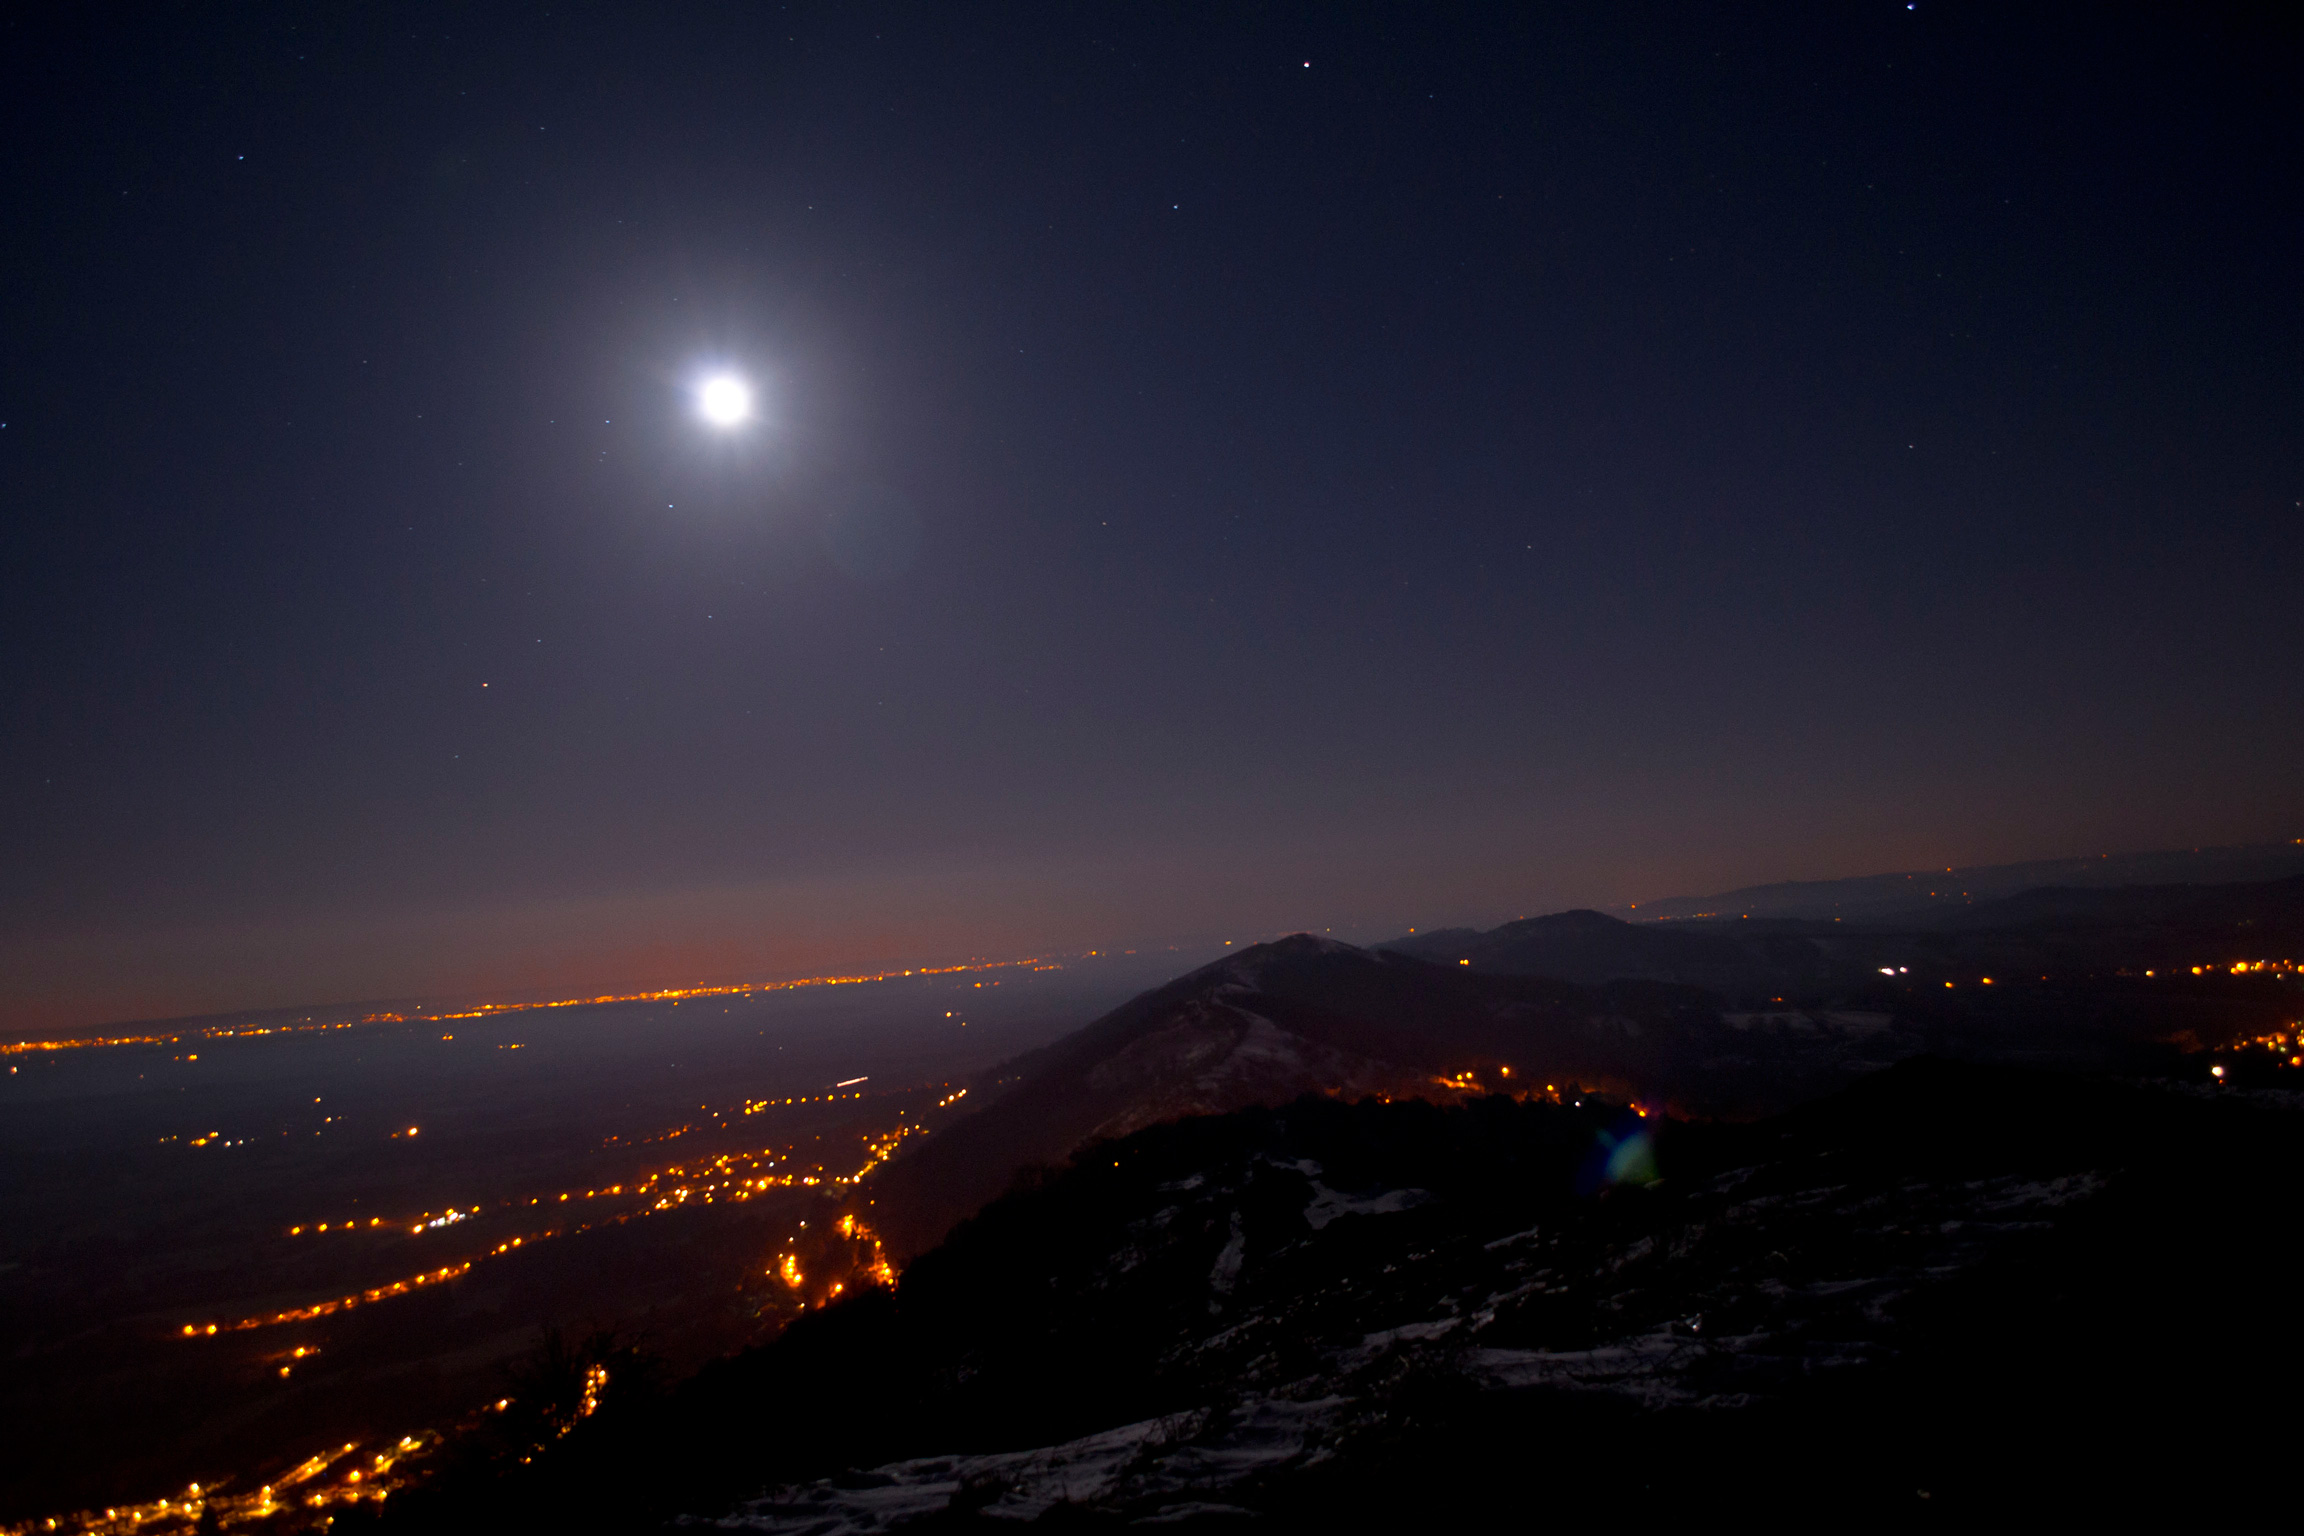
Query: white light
725, 400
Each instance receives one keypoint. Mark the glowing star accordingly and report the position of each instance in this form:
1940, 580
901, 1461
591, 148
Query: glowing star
725, 400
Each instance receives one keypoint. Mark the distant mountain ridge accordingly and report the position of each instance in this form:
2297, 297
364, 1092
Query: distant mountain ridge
2065, 931
1592, 948
1904, 894
2274, 907
1714, 1017
2089, 929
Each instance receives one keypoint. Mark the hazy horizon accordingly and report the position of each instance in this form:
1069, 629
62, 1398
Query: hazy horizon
558, 954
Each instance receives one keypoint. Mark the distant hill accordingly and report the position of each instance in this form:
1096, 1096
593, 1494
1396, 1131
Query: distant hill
2268, 910
1310, 1015
2064, 931
1872, 897
1592, 948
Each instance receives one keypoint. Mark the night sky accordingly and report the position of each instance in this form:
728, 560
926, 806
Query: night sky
1217, 470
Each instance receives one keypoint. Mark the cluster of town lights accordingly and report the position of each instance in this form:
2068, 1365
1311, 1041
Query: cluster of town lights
337, 1476
727, 1176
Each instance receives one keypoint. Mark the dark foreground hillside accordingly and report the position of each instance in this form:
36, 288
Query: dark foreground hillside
1946, 1291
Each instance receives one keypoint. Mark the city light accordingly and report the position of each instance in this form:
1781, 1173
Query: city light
491, 1010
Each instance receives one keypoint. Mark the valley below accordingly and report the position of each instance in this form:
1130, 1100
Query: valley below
1690, 1213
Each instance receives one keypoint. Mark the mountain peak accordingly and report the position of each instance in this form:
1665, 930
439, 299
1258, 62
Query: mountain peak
1292, 948
1575, 919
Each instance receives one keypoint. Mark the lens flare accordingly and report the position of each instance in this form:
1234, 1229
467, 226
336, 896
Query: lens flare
1624, 1153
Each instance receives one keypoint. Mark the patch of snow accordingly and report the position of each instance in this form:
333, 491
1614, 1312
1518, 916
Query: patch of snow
1226, 1274
1725, 1182
1261, 1435
1171, 1514
1838, 1287
1498, 1300
2049, 1192
1631, 1255
1647, 1368
1416, 1333
1031, 1483
1327, 1204
1171, 1464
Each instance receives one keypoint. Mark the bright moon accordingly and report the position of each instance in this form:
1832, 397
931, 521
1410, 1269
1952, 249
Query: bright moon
725, 400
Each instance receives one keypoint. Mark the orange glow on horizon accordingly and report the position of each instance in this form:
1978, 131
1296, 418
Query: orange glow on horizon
491, 1010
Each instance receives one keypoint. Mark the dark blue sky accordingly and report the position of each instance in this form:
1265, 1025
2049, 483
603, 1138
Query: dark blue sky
1518, 460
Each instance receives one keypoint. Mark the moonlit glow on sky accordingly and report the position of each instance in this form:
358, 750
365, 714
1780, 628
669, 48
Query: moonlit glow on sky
725, 400
1048, 479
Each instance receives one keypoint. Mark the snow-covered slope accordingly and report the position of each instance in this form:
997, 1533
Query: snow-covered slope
1302, 1299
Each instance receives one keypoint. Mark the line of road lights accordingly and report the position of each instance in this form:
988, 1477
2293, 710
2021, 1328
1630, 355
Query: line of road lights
877, 1151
